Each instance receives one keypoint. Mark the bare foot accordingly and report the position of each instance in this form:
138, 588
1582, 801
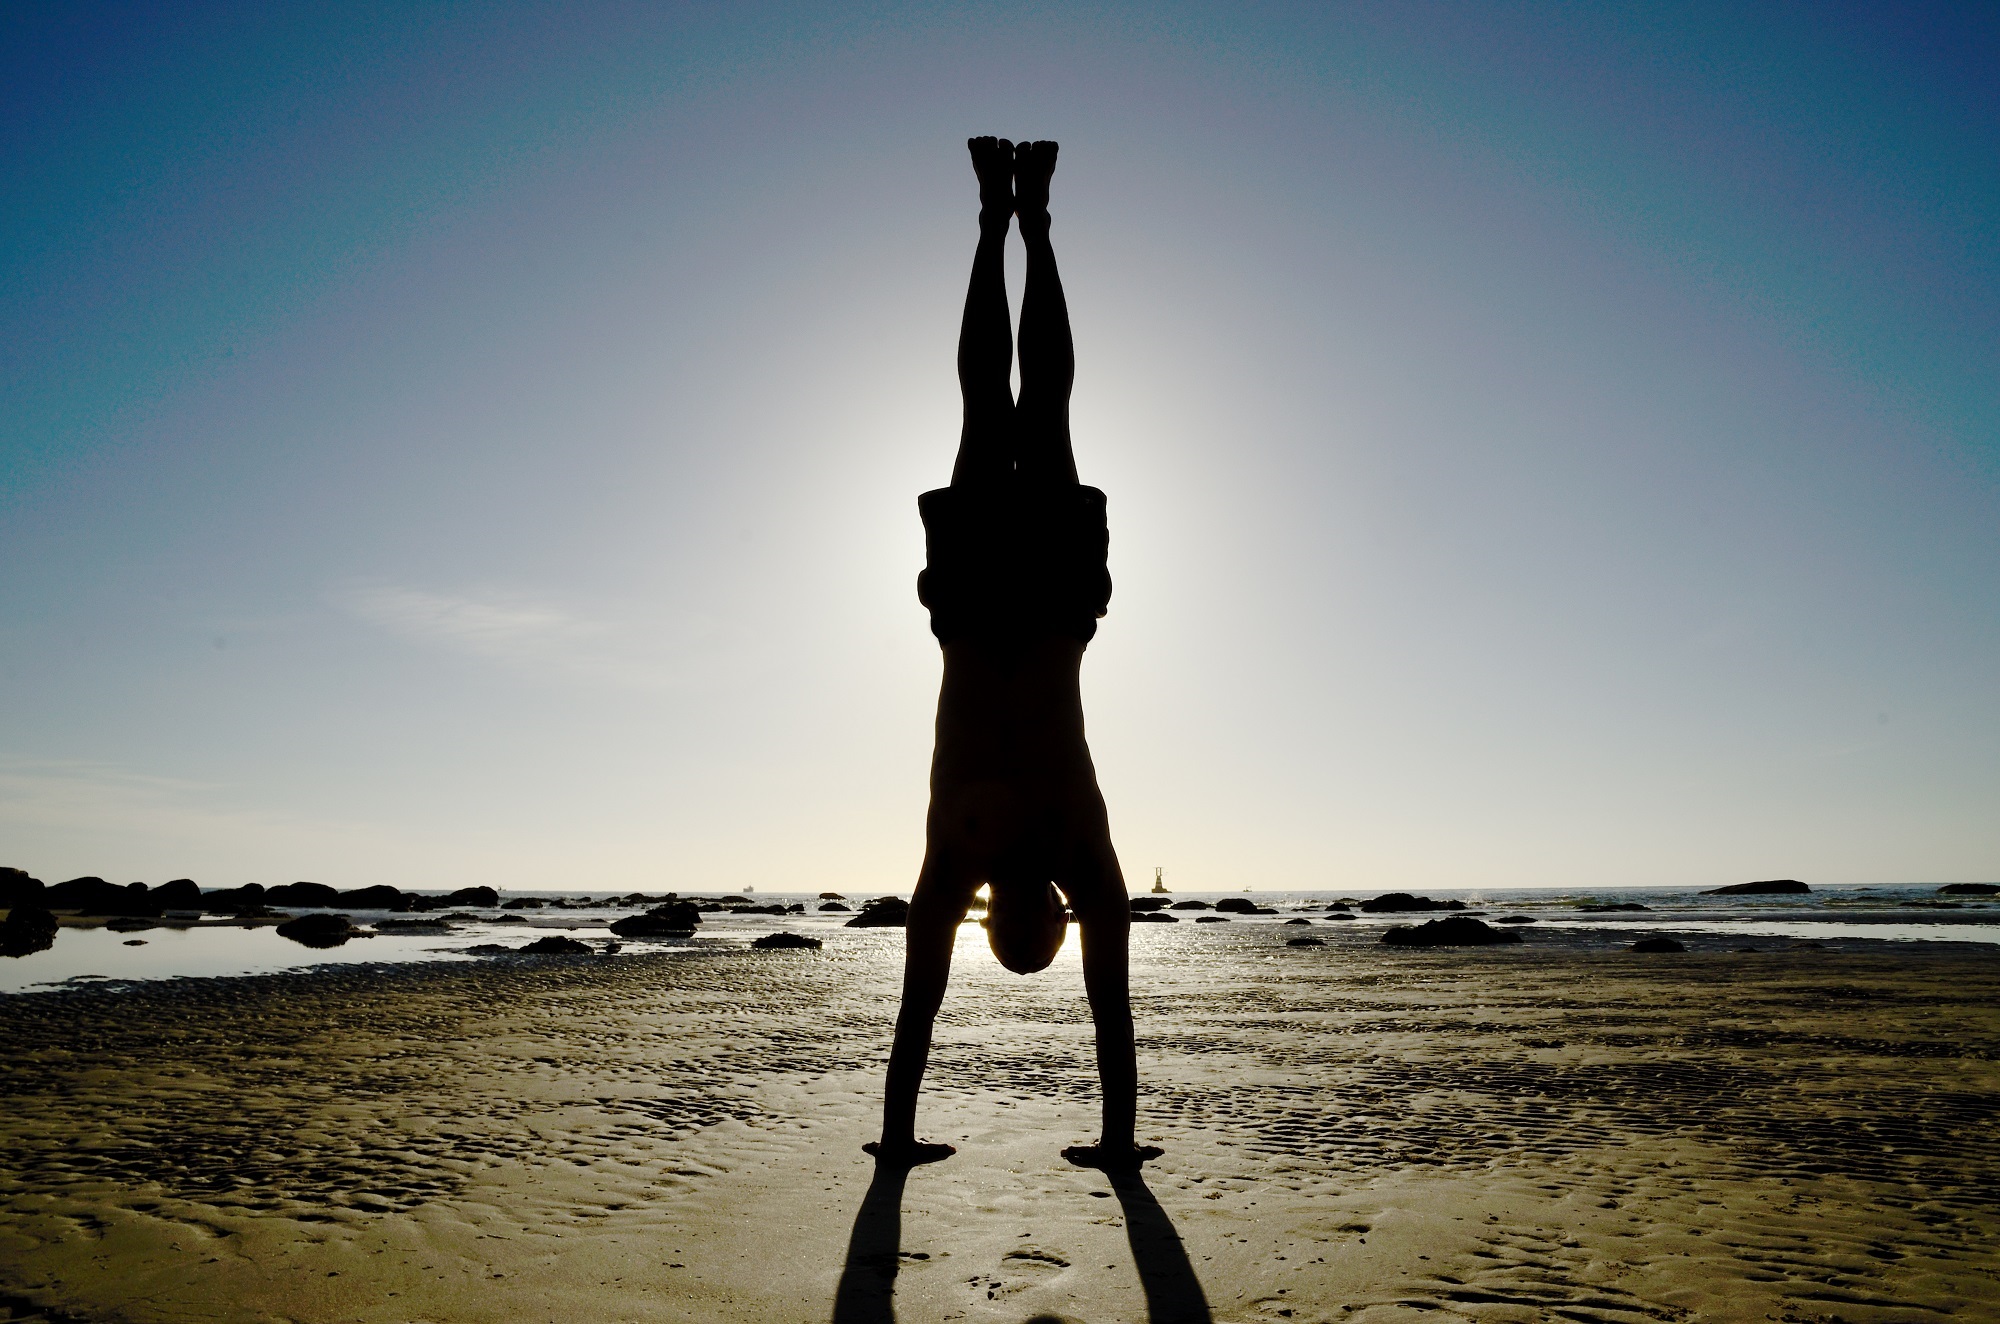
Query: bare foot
908, 1155
993, 162
1034, 163
1111, 1160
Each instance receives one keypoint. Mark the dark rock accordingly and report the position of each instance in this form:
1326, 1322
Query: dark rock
508, 919
831, 896
178, 894
18, 889
834, 905
1656, 945
1769, 887
131, 924
317, 930
459, 917
796, 908
379, 897
737, 901
1305, 942
1340, 914
1242, 905
134, 942
1211, 919
756, 910
774, 941
884, 912
248, 898
303, 896
474, 896
711, 907
1622, 905
1515, 919
557, 945
1969, 889
27, 929
489, 949
91, 895
1191, 905
674, 919
1140, 903
1458, 931
1298, 921
1154, 917
522, 903
1401, 903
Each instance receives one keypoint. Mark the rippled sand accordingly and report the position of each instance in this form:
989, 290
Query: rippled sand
1352, 1134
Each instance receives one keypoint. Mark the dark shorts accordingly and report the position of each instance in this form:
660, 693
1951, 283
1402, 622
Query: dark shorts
1013, 561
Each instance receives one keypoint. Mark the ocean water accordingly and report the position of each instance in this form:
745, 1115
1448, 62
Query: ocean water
1881, 917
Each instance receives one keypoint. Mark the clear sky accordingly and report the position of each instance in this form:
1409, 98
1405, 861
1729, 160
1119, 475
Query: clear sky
453, 443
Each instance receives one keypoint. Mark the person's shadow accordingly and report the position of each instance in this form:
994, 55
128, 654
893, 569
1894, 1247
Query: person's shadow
867, 1291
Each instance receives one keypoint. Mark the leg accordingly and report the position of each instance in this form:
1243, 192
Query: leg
986, 334
935, 913
1048, 356
1105, 917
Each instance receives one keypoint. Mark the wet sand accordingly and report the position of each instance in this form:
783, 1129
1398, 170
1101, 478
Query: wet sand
1353, 1133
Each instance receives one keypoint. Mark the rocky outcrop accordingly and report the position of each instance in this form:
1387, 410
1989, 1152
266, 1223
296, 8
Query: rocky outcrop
245, 900
91, 895
831, 896
178, 894
1656, 945
318, 930
1154, 917
1242, 905
1298, 921
558, 945
302, 896
1211, 919
834, 906
675, 919
1458, 931
1402, 903
1191, 905
780, 941
379, 897
1969, 889
477, 896
26, 930
1515, 919
1305, 942
884, 912
1769, 887
18, 889
1142, 903
1340, 914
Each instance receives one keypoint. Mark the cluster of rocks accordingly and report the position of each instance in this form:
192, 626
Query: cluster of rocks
1399, 903
1457, 931
27, 929
1768, 887
884, 912
671, 919
1969, 889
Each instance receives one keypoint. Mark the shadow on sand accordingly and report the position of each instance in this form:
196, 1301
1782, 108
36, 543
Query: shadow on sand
867, 1290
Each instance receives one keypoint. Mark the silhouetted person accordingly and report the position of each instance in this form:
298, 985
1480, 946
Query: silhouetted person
1015, 584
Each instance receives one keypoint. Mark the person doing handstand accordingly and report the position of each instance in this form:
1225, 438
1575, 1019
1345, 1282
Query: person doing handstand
1015, 584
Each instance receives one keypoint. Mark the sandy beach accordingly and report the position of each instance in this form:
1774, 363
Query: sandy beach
1353, 1133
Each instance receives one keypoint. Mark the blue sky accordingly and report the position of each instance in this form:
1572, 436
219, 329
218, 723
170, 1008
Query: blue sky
454, 443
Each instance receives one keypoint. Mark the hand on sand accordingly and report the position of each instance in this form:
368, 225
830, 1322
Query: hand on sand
1111, 1160
1034, 163
993, 162
909, 1154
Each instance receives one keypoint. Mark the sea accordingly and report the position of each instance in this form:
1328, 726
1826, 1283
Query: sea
1886, 917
